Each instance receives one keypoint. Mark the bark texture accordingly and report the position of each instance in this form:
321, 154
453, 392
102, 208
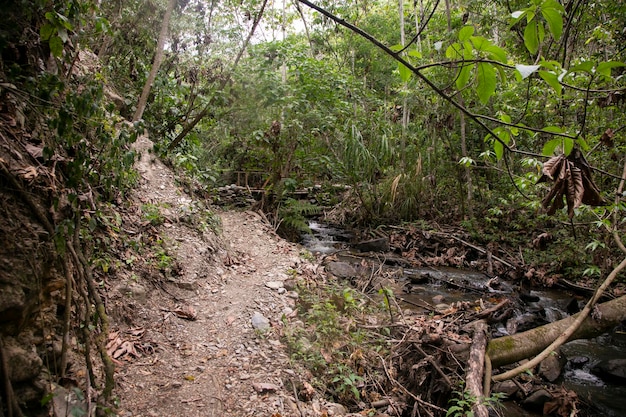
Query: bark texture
510, 349
158, 58
475, 368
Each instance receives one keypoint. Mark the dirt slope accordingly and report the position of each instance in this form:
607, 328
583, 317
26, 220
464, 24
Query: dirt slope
187, 345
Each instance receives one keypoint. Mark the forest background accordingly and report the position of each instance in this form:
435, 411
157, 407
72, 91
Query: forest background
454, 130
505, 118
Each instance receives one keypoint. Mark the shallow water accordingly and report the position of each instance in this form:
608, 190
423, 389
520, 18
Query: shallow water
423, 284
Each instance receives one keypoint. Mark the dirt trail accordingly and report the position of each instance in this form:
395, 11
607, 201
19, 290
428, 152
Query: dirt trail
213, 365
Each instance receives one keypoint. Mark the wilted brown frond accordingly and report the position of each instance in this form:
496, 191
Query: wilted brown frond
572, 180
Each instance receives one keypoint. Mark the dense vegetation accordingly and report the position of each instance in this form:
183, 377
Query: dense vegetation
505, 118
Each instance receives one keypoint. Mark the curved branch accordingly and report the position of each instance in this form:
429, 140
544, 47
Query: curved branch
419, 32
564, 337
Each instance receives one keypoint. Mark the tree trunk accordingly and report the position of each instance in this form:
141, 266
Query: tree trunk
207, 109
158, 58
510, 349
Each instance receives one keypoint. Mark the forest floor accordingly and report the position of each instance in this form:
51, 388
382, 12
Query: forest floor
186, 345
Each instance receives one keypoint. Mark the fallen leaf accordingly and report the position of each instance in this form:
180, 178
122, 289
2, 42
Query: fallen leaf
186, 312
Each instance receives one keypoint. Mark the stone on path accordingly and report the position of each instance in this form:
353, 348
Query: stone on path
260, 322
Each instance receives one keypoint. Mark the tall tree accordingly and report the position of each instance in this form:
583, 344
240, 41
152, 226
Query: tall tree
158, 59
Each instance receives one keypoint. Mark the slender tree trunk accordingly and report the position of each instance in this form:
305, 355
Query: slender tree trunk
405, 110
468, 172
207, 109
158, 58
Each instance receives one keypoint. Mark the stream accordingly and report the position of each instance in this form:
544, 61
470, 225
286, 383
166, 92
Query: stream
428, 286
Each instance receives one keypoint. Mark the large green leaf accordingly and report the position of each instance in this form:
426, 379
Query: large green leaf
496, 53
585, 66
554, 20
466, 32
604, 68
486, 76
552, 80
550, 146
531, 37
56, 46
464, 75
568, 145
405, 72
46, 31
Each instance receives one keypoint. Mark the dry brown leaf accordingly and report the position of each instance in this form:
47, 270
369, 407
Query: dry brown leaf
186, 312
572, 182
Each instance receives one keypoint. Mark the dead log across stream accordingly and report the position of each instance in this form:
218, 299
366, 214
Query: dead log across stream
510, 349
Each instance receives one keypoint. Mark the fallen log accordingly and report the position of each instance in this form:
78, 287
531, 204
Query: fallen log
475, 367
509, 349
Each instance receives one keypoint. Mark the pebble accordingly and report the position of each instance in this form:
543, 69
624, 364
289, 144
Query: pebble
274, 285
260, 322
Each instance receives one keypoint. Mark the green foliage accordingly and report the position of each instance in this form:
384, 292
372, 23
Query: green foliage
293, 214
329, 344
151, 213
464, 401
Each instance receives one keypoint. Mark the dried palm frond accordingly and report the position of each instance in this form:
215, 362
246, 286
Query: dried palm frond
572, 180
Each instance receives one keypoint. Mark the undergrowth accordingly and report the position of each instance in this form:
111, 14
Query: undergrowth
337, 343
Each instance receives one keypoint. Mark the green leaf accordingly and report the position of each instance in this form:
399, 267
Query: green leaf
405, 72
553, 4
586, 66
486, 81
63, 35
552, 80
480, 43
555, 21
568, 145
465, 33
415, 53
56, 46
541, 33
496, 53
498, 149
46, 31
604, 68
464, 75
531, 37
396, 47
454, 51
583, 144
550, 146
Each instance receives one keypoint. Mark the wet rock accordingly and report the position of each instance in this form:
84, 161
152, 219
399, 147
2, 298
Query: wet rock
536, 400
341, 270
373, 245
509, 388
613, 370
552, 366
260, 322
577, 362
